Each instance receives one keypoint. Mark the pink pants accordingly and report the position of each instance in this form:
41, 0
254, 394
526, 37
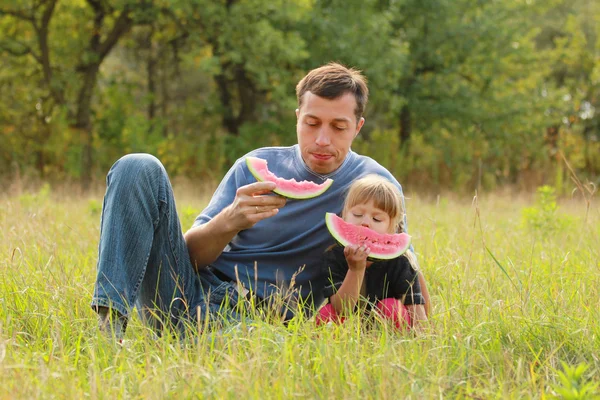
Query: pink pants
389, 309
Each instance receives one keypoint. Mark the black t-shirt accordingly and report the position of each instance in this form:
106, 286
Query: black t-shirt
383, 279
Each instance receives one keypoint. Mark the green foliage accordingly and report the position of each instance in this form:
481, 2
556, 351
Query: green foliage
464, 94
94, 207
574, 385
486, 341
33, 200
434, 166
187, 215
543, 218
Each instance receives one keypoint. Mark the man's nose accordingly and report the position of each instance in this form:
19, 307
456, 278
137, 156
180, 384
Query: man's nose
323, 138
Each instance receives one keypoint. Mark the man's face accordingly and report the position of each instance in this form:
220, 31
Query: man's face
326, 129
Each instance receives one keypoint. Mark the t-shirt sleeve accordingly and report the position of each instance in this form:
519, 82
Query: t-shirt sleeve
406, 283
236, 177
334, 268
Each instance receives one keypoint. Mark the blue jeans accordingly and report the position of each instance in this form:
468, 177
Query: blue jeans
142, 257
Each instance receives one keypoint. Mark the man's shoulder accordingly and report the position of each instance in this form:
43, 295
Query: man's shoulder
271, 152
365, 165
368, 162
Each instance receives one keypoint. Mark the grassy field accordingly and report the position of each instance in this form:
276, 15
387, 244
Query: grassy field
516, 304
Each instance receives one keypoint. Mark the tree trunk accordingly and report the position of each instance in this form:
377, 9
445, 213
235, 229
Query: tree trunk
587, 136
151, 78
55, 89
247, 93
230, 122
99, 49
246, 97
83, 123
552, 136
225, 85
164, 105
405, 126
40, 153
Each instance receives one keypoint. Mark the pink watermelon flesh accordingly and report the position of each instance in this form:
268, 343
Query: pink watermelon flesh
286, 187
382, 246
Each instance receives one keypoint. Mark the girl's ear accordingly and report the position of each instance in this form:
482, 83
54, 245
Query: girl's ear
399, 226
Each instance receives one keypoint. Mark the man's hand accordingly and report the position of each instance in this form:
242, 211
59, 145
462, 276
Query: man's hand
356, 256
252, 204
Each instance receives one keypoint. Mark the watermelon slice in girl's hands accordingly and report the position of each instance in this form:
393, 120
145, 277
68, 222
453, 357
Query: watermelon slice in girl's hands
286, 187
382, 246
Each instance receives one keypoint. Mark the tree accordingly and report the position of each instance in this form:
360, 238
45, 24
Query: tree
101, 26
569, 36
254, 53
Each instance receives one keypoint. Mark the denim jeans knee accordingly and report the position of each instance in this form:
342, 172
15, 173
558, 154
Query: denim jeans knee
142, 255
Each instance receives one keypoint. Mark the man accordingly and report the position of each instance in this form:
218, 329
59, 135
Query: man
265, 243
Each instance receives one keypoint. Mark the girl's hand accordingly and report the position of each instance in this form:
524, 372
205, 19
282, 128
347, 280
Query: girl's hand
356, 256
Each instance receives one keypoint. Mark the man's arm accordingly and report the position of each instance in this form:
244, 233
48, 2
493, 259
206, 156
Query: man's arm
251, 204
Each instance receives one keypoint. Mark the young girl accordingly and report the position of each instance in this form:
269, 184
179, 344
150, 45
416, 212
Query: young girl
392, 287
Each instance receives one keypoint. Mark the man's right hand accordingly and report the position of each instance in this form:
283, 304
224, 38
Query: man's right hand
252, 203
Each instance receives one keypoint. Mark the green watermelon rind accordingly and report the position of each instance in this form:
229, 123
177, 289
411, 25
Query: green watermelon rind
288, 194
330, 221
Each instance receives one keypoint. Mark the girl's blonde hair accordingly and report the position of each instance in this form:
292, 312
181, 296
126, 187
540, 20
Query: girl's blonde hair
384, 195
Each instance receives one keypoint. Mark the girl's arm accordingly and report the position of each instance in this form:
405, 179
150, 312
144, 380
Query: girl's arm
417, 316
345, 299
347, 295
425, 294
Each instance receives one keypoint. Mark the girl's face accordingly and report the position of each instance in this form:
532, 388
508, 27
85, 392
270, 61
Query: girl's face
369, 216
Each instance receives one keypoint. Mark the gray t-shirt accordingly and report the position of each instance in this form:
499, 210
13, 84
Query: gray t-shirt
289, 246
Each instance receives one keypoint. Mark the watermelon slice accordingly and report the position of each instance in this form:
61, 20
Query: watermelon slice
383, 246
286, 187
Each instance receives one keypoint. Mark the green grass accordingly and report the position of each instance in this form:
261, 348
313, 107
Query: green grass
515, 311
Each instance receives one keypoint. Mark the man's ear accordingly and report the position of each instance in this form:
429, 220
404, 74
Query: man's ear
360, 124
297, 113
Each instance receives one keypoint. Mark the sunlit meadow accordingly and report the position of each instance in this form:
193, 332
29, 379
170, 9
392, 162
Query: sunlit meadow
514, 282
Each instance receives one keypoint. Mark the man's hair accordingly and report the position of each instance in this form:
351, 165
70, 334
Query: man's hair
335, 80
384, 195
